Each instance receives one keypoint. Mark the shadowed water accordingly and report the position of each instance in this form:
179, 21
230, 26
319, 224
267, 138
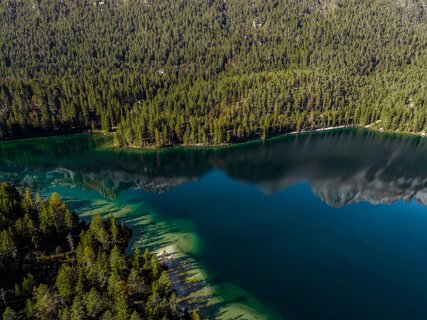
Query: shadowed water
327, 225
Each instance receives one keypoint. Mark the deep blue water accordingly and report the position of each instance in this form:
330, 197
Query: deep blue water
305, 258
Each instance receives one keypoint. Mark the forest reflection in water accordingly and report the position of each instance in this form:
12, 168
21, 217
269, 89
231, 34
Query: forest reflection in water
342, 167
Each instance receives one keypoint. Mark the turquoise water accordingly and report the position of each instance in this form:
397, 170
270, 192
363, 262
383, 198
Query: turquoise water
327, 225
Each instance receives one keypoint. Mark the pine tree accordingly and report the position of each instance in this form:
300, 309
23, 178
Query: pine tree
65, 281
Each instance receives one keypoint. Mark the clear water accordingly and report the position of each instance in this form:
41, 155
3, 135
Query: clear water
326, 225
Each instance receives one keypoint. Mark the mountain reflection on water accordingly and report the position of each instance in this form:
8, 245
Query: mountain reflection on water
342, 166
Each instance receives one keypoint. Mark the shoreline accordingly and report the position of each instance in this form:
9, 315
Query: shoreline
194, 290
371, 127
219, 145
195, 287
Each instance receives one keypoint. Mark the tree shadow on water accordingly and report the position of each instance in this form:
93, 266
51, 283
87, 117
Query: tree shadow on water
185, 271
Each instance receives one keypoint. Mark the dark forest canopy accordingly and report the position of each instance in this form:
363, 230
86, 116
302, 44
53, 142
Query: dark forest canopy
211, 71
54, 267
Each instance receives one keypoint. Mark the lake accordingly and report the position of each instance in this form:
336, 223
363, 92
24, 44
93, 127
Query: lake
323, 225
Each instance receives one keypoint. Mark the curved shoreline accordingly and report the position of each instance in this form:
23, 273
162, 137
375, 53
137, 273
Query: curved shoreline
370, 127
195, 291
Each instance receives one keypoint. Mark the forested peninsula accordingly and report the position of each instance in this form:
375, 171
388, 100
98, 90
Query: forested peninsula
167, 72
54, 266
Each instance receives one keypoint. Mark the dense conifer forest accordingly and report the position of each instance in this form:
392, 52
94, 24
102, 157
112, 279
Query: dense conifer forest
54, 266
163, 72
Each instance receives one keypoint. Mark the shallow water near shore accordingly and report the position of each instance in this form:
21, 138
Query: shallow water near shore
323, 225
